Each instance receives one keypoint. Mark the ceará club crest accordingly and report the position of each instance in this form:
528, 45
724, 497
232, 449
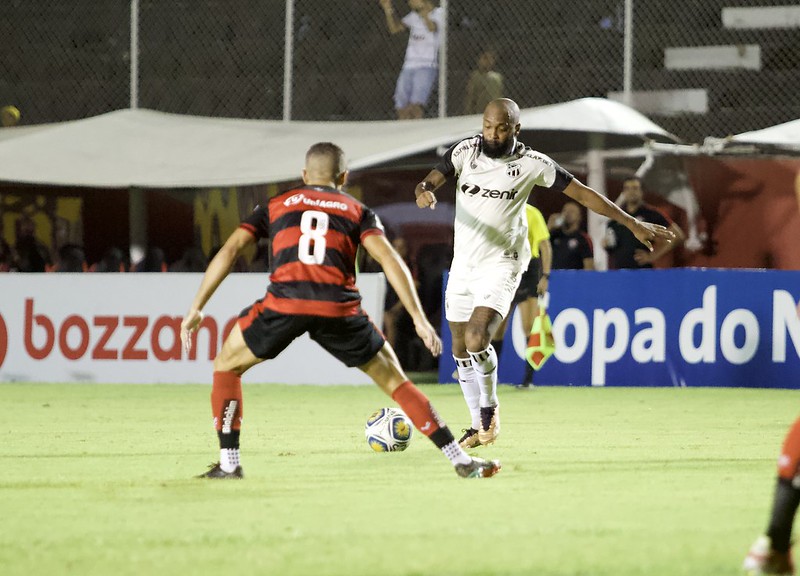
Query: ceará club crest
512, 169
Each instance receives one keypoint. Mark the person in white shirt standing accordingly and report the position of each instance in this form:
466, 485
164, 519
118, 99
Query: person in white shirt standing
495, 174
421, 65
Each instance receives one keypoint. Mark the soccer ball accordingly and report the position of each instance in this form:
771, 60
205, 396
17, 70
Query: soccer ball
388, 430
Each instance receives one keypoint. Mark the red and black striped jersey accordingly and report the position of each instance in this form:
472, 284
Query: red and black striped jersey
315, 232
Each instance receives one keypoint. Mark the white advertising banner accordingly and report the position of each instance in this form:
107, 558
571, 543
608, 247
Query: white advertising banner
125, 328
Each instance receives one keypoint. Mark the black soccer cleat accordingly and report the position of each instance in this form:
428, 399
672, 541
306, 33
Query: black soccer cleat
469, 439
215, 471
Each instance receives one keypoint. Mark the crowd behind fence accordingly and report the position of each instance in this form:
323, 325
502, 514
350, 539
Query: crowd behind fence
733, 71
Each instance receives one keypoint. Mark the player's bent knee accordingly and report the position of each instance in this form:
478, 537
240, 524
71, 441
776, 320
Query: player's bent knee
385, 370
459, 351
476, 339
235, 356
458, 347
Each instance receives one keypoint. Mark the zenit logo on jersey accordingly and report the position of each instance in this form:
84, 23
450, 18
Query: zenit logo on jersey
473, 190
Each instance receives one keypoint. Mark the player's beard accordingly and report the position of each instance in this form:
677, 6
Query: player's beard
498, 150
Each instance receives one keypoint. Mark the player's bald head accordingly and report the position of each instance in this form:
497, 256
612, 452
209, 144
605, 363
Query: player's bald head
325, 161
502, 109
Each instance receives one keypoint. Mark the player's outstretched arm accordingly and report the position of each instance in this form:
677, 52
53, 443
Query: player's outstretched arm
645, 232
218, 269
399, 277
425, 189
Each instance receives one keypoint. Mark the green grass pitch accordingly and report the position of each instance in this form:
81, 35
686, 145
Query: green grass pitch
97, 480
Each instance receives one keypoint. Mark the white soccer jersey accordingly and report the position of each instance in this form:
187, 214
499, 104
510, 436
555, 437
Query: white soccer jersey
422, 50
491, 193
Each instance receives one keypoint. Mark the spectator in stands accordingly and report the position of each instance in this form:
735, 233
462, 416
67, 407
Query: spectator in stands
193, 260
485, 84
112, 261
32, 254
624, 250
70, 258
421, 65
9, 116
153, 261
572, 247
7, 258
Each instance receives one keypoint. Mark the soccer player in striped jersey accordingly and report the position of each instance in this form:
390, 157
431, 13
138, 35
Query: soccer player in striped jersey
315, 231
771, 553
495, 175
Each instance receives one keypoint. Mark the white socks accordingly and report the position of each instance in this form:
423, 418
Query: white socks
470, 389
228, 459
455, 453
484, 364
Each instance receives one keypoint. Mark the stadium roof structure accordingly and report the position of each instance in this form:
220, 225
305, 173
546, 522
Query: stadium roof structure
150, 149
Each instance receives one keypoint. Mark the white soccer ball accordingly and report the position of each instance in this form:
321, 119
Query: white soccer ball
388, 430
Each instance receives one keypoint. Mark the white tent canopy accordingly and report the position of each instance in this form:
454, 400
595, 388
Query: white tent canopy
593, 115
786, 135
148, 149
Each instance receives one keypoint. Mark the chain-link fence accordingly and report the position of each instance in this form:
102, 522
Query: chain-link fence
747, 75
64, 60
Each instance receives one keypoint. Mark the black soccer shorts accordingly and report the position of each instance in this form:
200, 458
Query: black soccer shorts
529, 281
353, 340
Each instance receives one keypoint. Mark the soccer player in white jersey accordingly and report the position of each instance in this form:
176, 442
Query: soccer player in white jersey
496, 173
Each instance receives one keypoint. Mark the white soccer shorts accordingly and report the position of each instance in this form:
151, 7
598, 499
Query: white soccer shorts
490, 285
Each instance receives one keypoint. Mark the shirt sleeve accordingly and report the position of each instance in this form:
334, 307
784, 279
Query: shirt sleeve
257, 223
556, 178
445, 165
562, 179
437, 15
552, 176
408, 19
452, 161
370, 223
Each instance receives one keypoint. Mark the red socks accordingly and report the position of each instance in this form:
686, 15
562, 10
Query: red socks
417, 406
790, 453
226, 405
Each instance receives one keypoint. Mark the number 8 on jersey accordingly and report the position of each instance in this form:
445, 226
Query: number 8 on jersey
311, 246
